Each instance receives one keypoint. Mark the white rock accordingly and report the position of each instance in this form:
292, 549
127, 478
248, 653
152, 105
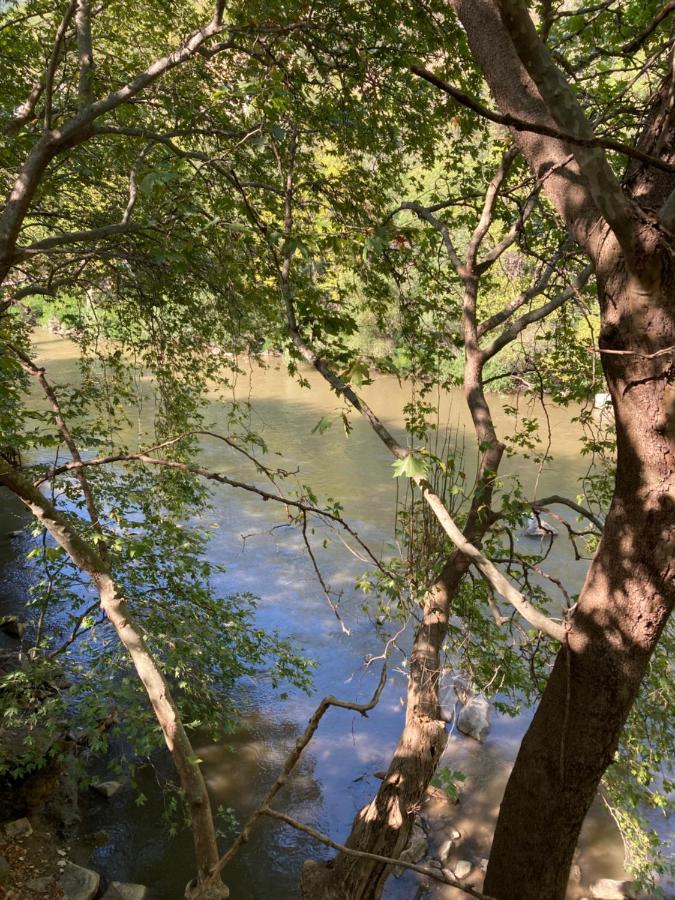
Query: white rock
120, 891
483, 864
446, 849
78, 883
609, 889
107, 788
462, 869
474, 719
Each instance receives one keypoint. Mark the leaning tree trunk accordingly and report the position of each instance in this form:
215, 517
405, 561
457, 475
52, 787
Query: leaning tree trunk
624, 605
384, 825
115, 607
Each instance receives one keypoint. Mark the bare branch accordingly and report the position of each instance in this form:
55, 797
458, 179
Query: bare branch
564, 501
291, 762
536, 315
491, 195
440, 226
221, 479
489, 571
537, 288
443, 876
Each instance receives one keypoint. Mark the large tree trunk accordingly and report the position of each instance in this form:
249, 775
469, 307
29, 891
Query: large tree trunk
624, 605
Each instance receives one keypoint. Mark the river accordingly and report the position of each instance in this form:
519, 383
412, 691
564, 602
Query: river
336, 776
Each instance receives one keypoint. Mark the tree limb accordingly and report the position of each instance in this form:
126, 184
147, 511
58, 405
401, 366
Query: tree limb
291, 761
517, 124
429, 872
536, 315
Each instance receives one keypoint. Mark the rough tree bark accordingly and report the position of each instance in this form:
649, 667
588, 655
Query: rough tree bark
629, 591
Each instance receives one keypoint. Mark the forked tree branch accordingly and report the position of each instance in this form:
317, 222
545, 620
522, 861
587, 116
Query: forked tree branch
291, 761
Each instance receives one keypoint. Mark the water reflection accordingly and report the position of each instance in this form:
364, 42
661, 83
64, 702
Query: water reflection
336, 775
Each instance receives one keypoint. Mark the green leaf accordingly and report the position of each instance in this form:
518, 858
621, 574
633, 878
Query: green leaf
410, 466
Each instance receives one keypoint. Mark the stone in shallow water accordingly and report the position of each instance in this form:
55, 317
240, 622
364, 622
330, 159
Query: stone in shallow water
107, 788
462, 869
474, 719
120, 891
78, 883
609, 889
40, 885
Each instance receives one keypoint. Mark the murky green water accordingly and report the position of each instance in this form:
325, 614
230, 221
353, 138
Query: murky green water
336, 774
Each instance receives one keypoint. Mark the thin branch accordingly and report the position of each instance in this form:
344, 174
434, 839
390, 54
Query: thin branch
317, 571
535, 315
564, 501
487, 213
538, 288
38, 373
424, 213
638, 41
26, 111
77, 237
489, 571
53, 62
510, 121
291, 761
434, 874
221, 479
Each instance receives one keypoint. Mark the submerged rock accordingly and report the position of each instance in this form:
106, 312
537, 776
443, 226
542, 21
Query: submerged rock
12, 626
78, 883
474, 719
40, 885
107, 789
462, 869
17, 828
609, 889
120, 891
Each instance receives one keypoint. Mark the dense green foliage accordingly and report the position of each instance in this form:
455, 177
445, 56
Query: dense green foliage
195, 172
